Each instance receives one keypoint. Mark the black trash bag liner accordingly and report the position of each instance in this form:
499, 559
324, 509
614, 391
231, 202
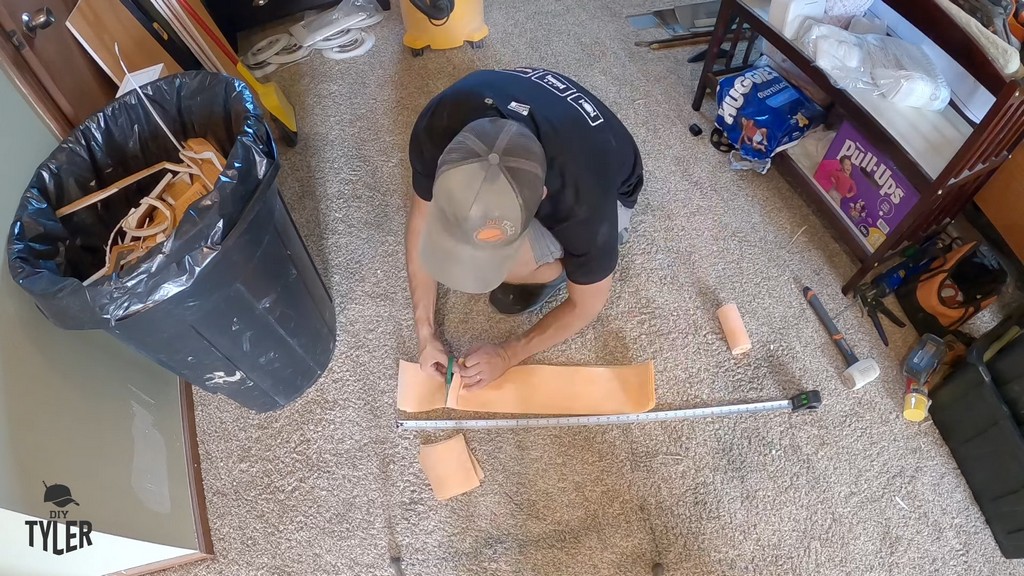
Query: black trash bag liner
51, 257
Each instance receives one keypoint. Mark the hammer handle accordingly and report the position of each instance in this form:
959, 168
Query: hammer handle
837, 337
663, 44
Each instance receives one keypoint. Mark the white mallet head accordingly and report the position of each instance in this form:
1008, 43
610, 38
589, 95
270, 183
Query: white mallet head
861, 373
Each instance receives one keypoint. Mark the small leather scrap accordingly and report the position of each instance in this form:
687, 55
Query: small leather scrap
450, 467
535, 389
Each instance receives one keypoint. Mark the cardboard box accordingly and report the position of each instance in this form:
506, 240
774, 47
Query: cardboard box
864, 185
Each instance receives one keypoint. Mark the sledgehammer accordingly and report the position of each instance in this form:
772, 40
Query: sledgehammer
858, 372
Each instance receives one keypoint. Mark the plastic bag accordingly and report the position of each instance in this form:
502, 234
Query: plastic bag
792, 73
890, 67
50, 257
738, 162
867, 24
761, 113
841, 12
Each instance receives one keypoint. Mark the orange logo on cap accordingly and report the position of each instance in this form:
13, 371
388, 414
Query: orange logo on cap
491, 234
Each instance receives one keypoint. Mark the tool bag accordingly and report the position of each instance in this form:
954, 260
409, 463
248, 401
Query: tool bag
957, 286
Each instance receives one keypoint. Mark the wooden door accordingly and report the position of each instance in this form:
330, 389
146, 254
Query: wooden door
54, 57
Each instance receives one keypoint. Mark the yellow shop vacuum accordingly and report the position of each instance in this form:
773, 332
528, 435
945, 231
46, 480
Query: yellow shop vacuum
442, 24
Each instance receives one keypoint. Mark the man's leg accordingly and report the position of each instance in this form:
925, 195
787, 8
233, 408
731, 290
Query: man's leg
539, 258
536, 275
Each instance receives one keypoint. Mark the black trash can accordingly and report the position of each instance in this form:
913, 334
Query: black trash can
231, 301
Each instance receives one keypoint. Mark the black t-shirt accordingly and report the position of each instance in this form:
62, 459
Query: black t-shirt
593, 161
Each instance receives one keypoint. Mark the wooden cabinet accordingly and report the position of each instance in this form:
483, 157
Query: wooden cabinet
943, 156
1002, 201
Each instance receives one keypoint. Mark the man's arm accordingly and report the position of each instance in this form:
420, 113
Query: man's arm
423, 289
584, 303
582, 306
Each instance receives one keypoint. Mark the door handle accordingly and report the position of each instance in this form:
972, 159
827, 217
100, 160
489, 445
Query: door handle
40, 19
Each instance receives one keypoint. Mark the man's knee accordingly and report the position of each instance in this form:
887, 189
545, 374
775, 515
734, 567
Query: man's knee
538, 260
528, 271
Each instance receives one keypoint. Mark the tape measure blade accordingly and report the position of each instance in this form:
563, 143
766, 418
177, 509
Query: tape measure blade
564, 421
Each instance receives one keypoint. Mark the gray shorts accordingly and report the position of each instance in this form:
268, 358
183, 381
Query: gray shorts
547, 249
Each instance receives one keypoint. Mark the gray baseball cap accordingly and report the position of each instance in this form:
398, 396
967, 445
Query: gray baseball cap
489, 183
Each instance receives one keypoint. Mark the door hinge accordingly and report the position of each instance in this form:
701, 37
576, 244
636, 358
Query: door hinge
19, 44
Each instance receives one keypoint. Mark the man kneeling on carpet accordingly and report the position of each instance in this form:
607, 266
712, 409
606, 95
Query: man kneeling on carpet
524, 181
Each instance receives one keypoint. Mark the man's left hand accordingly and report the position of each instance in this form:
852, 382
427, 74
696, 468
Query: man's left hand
483, 365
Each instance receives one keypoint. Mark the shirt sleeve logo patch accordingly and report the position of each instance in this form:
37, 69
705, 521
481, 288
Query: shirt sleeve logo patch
587, 107
556, 83
559, 86
521, 108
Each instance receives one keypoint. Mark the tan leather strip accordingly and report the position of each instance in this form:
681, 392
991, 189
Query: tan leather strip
450, 467
536, 389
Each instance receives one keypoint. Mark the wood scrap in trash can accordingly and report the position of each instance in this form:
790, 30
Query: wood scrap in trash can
160, 211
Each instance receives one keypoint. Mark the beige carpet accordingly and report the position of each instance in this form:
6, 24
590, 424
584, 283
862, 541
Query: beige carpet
328, 486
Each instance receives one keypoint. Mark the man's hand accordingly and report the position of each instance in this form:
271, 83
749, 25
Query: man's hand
483, 365
433, 358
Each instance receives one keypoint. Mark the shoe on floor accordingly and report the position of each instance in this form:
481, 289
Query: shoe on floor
519, 298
